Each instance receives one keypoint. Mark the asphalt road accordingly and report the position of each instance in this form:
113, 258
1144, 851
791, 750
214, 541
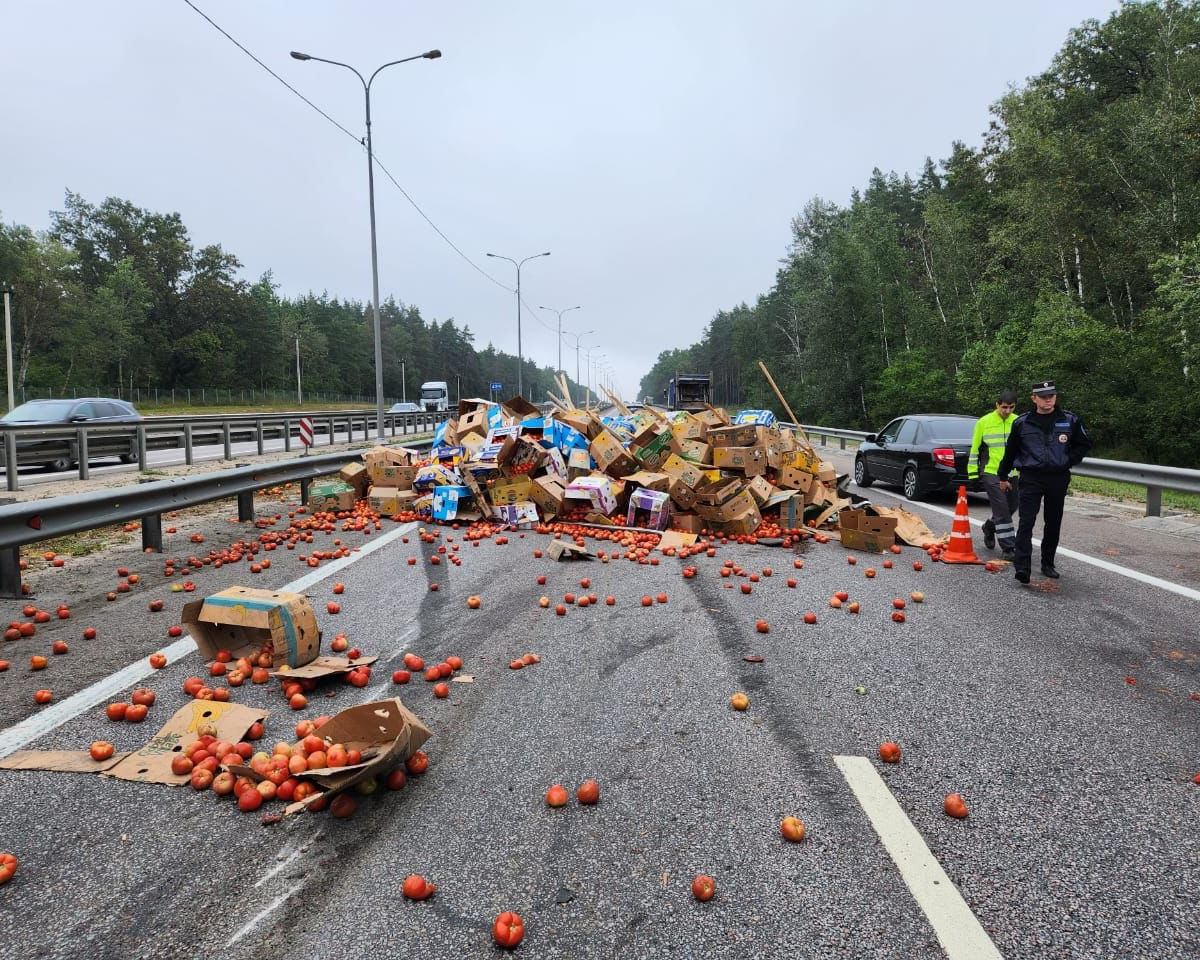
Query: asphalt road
1067, 715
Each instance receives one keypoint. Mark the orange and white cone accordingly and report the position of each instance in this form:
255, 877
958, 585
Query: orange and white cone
960, 549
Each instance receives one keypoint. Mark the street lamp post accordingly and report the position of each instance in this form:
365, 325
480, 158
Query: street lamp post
8, 342
560, 330
299, 394
427, 55
578, 339
517, 264
588, 352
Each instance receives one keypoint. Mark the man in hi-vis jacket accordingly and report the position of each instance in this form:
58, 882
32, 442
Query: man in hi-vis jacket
987, 450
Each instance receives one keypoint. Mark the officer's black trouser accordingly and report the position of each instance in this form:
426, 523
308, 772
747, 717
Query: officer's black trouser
1047, 491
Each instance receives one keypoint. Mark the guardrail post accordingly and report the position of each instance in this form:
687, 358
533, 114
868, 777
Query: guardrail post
287, 435
81, 444
367, 423
143, 455
228, 445
246, 505
330, 433
258, 428
187, 444
152, 532
1154, 501
10, 460
304, 484
842, 441
10, 573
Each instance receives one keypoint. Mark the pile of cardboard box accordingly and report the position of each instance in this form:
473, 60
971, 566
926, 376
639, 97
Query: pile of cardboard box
510, 463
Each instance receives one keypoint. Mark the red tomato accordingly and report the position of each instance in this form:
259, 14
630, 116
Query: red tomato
417, 887
8, 866
101, 750
508, 930
703, 888
143, 695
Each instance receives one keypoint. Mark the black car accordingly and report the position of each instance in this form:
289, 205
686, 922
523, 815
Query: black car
62, 453
922, 453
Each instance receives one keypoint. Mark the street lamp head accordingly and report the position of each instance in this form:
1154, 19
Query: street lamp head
432, 54
296, 55
546, 254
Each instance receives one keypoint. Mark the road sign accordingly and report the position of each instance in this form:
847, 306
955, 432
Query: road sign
497, 386
306, 434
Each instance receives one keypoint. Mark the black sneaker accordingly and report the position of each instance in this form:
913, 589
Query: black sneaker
1049, 571
1022, 576
989, 534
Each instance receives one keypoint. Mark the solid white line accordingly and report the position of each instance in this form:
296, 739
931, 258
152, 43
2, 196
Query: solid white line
20, 735
283, 863
1137, 575
958, 930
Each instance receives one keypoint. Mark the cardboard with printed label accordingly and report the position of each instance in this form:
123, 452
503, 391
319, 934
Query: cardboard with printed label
652, 445
596, 489
509, 490
649, 480
331, 496
548, 493
242, 619
714, 493
744, 522
862, 531
696, 452
760, 489
713, 417
579, 464
687, 427
385, 500
752, 461
683, 470
517, 514
682, 496
610, 455
790, 506
794, 478
648, 508
449, 501
745, 435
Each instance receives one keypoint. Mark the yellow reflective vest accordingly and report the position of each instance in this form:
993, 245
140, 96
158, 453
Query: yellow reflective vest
988, 443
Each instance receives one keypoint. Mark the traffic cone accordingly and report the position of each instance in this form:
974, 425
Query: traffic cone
960, 549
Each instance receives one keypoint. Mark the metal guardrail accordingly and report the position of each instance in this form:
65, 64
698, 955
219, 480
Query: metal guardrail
38, 520
1153, 477
132, 443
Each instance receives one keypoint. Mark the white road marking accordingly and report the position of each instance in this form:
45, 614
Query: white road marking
299, 850
1137, 575
958, 930
254, 921
20, 735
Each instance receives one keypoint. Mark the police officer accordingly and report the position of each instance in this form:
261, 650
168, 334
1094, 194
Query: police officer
1043, 445
987, 448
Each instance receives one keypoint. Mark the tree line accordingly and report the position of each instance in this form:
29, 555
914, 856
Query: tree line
1066, 246
115, 298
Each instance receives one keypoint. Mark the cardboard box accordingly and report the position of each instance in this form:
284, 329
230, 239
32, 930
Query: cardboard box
793, 478
761, 490
555, 465
548, 493
683, 496
610, 455
652, 445
687, 427
745, 435
510, 490
791, 508
596, 489
713, 494
744, 522
474, 421
577, 420
517, 514
355, 475
385, 500
386, 732
323, 667
752, 461
863, 531
382, 465
579, 464
562, 550
242, 619
696, 452
764, 417
713, 417
436, 475
683, 470
449, 500
688, 522
517, 408
648, 480
648, 508
331, 496
406, 501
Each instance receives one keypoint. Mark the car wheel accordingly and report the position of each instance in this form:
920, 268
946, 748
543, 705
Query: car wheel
912, 484
61, 464
861, 477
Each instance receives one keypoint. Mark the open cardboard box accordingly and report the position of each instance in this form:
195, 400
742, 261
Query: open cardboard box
862, 531
242, 619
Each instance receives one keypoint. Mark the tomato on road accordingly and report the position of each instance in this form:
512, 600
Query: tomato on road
508, 930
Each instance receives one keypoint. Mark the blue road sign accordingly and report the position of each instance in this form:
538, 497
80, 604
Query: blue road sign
497, 386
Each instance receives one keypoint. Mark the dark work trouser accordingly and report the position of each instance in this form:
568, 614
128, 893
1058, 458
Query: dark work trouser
1047, 491
1004, 505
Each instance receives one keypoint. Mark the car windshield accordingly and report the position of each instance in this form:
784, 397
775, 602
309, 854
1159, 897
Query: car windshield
951, 429
40, 411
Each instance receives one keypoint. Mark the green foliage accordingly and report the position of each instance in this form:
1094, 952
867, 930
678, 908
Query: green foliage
1066, 247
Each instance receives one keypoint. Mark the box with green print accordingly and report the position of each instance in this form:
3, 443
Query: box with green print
244, 620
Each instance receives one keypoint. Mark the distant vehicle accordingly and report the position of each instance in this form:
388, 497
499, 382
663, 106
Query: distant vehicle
90, 411
691, 392
435, 395
404, 407
921, 453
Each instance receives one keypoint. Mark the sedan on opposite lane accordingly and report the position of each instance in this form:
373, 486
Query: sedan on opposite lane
61, 453
921, 453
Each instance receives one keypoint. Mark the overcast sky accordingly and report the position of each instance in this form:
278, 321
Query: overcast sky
658, 149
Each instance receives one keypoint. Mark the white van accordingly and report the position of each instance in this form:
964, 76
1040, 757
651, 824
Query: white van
435, 395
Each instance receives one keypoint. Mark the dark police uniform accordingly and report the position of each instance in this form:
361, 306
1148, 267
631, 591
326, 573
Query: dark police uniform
1042, 448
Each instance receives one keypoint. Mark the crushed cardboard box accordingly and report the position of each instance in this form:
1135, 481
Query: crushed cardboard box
243, 620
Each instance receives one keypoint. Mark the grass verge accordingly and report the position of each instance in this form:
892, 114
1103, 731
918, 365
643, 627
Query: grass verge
1134, 493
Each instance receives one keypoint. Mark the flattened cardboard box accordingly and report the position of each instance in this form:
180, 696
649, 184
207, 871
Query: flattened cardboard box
386, 731
152, 763
241, 618
323, 667
561, 550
